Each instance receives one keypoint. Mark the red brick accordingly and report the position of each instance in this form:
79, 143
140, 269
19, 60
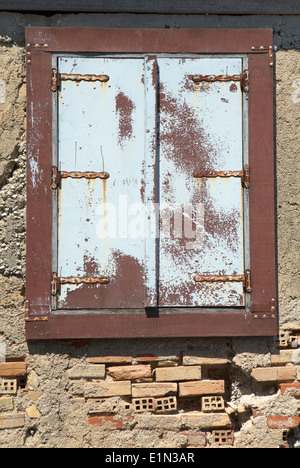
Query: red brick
201, 387
110, 360
154, 358
283, 422
147, 358
116, 421
13, 369
287, 386
130, 372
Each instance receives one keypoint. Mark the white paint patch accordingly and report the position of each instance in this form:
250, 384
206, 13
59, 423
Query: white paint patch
36, 173
2, 92
2, 351
296, 356
296, 93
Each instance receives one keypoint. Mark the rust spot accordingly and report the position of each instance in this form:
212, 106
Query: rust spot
183, 138
143, 183
142, 190
124, 107
125, 289
224, 100
90, 265
104, 191
233, 88
193, 86
103, 86
129, 280
219, 224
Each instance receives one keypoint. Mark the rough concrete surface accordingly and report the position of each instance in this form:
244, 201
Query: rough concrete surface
288, 180
59, 417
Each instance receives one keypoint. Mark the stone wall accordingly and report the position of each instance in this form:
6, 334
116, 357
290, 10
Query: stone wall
91, 393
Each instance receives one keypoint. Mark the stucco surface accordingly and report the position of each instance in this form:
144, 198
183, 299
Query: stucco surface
63, 413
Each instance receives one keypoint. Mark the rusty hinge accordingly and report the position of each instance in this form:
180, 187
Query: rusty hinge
33, 318
57, 78
243, 78
58, 175
245, 279
243, 174
57, 280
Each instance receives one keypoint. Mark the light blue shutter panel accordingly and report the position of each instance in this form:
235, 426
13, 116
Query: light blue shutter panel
201, 129
101, 127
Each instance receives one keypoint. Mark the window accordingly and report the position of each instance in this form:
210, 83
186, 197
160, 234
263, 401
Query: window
150, 183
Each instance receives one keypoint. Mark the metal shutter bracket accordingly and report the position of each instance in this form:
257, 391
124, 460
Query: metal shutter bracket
58, 175
56, 281
243, 174
243, 78
246, 279
57, 78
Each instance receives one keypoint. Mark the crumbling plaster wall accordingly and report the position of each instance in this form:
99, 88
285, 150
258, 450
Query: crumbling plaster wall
61, 417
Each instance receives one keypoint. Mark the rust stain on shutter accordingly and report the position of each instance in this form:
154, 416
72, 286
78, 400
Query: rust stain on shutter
124, 107
100, 181
201, 132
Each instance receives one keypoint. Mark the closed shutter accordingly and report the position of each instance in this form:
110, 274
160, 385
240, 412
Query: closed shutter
103, 257
201, 166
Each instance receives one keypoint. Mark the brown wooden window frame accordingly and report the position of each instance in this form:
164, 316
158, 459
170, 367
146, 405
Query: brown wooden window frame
41, 323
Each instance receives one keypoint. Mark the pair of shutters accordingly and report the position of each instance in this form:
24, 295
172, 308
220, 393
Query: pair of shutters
151, 183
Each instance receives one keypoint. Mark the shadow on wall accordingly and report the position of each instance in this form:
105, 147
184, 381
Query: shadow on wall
286, 27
